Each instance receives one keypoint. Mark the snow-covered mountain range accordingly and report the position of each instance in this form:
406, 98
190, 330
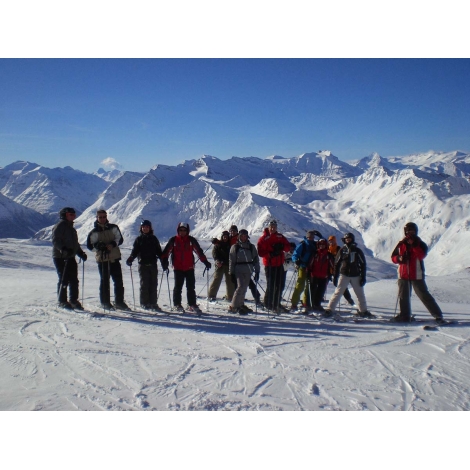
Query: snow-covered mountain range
373, 197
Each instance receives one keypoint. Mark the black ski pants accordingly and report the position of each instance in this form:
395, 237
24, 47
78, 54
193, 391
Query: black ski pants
67, 271
274, 285
111, 269
180, 278
317, 289
148, 284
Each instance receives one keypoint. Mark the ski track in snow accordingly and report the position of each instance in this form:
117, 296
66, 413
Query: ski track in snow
51, 359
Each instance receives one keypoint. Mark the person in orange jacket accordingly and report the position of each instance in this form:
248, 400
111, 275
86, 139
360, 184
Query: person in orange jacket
271, 247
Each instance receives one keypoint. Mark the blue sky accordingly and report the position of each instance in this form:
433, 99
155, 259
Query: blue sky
79, 112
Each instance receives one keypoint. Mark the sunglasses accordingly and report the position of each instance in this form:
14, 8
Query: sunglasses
101, 217
182, 229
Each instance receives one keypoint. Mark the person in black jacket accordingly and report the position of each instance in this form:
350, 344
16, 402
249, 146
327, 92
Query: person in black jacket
220, 253
148, 250
64, 248
350, 267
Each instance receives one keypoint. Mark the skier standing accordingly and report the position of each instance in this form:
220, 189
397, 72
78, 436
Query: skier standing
148, 250
333, 248
409, 255
64, 248
350, 267
181, 248
243, 262
301, 258
319, 269
220, 253
104, 240
271, 247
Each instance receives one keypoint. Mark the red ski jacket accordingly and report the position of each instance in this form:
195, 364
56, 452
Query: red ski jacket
410, 259
181, 249
321, 264
272, 247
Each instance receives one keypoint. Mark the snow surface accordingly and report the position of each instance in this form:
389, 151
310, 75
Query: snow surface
56, 360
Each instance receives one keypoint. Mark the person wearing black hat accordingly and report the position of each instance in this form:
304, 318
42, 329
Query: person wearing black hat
350, 267
65, 247
148, 250
409, 255
220, 253
181, 249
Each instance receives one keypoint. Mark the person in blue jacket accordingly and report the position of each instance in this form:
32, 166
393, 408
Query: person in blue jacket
301, 257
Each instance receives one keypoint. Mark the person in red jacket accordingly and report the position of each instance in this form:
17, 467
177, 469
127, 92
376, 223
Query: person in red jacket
271, 247
319, 268
409, 255
180, 249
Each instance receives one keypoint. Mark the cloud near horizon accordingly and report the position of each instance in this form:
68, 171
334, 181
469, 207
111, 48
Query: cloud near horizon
111, 163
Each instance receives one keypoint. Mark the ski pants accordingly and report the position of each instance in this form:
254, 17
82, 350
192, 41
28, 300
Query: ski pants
111, 269
300, 286
317, 288
180, 278
274, 281
243, 279
148, 274
67, 271
219, 274
343, 283
421, 290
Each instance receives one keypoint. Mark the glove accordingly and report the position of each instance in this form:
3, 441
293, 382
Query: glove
330, 278
335, 281
215, 241
165, 266
233, 278
317, 233
129, 261
83, 256
362, 282
100, 246
207, 264
404, 258
66, 252
256, 278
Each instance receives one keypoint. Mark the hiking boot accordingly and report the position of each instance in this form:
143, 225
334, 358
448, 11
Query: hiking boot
179, 308
155, 308
232, 309
293, 309
106, 306
327, 313
440, 321
318, 308
243, 310
365, 314
77, 305
211, 299
400, 319
145, 307
194, 309
248, 309
121, 305
65, 306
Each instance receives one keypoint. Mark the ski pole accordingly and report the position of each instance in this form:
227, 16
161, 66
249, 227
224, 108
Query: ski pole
168, 283
61, 286
132, 281
160, 288
83, 280
207, 281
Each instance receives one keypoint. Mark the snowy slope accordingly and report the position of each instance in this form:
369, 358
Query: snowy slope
55, 360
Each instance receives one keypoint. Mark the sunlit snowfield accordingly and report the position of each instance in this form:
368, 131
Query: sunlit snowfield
56, 360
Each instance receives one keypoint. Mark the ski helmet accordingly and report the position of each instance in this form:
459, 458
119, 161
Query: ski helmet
348, 235
233, 228
225, 234
273, 223
183, 225
146, 222
410, 226
66, 210
243, 232
322, 242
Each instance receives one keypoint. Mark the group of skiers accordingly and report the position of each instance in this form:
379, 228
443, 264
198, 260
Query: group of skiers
238, 261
